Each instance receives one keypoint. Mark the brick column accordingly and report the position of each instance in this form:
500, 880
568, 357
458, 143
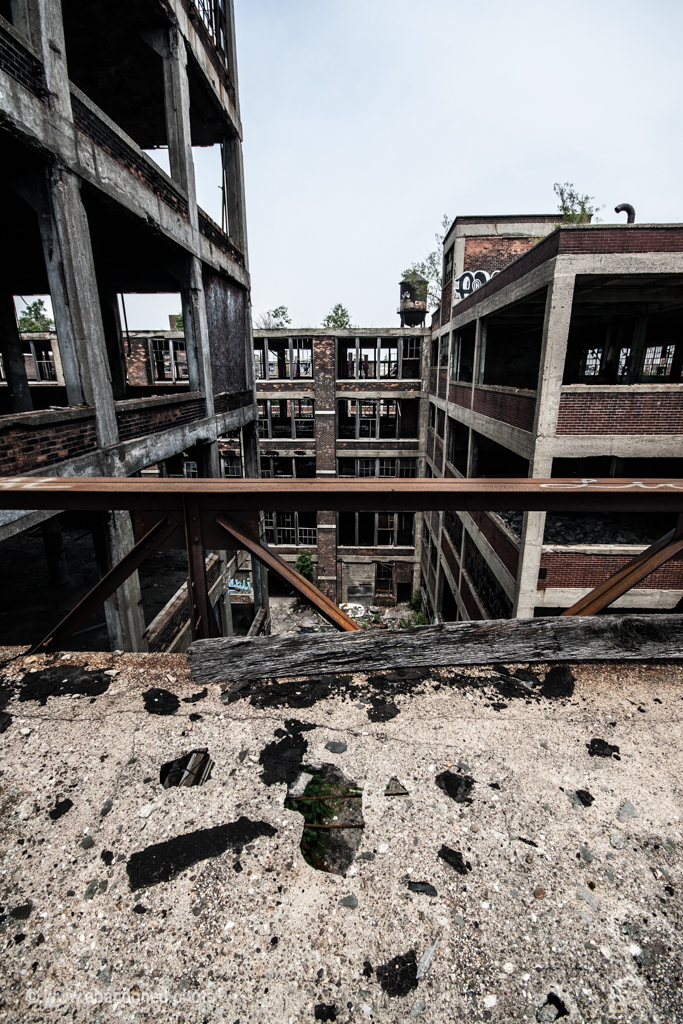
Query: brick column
325, 459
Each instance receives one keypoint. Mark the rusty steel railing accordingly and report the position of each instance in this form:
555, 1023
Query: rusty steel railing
200, 515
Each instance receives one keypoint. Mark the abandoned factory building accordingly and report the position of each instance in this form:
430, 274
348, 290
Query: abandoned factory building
85, 91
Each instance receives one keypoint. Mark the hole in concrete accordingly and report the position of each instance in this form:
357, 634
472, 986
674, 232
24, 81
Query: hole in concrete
399, 976
332, 809
164, 861
395, 788
457, 787
160, 702
552, 1009
56, 682
193, 769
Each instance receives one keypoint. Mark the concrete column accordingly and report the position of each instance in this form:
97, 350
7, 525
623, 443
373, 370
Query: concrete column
233, 173
55, 552
558, 310
252, 468
113, 538
197, 332
177, 107
12, 357
111, 324
47, 34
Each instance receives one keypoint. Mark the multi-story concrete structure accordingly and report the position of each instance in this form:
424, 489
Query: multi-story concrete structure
88, 214
347, 403
567, 363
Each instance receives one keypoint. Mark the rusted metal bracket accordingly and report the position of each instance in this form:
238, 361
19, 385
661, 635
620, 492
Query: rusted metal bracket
636, 570
107, 585
252, 543
202, 618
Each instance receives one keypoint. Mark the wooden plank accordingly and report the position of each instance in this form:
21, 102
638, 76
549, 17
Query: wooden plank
245, 537
636, 570
580, 638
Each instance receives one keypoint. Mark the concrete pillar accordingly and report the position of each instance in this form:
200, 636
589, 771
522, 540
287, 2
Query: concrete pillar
197, 332
233, 175
252, 468
113, 335
55, 552
113, 537
558, 311
12, 357
177, 108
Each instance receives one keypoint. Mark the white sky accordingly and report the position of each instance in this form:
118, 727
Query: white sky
366, 120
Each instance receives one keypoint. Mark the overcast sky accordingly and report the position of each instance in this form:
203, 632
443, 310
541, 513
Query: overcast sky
365, 121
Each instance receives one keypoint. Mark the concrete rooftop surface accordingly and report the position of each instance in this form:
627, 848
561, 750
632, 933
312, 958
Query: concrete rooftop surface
509, 867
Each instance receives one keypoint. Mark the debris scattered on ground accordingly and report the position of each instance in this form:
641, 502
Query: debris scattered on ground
601, 748
426, 959
324, 1011
22, 912
56, 682
196, 697
60, 808
164, 861
282, 760
457, 787
192, 769
335, 748
617, 839
558, 682
399, 976
395, 788
160, 702
628, 810
588, 897
5, 721
426, 887
87, 842
455, 859
382, 710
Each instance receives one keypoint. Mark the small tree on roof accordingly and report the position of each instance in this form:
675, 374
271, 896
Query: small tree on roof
338, 318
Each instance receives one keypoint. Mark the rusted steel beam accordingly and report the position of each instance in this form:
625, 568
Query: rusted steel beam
636, 570
202, 619
238, 495
107, 585
266, 555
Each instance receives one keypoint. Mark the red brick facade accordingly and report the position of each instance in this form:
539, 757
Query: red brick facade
500, 543
634, 412
461, 394
494, 252
139, 422
568, 569
515, 408
33, 440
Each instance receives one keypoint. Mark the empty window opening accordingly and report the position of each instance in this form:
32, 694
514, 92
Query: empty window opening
386, 418
458, 445
283, 358
332, 809
378, 358
376, 529
462, 356
292, 528
279, 466
511, 344
491, 459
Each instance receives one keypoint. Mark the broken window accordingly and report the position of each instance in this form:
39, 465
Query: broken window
39, 359
367, 362
378, 358
491, 592
658, 361
384, 579
289, 358
453, 526
294, 528
591, 359
193, 769
462, 357
276, 466
168, 357
412, 353
443, 352
259, 361
377, 467
432, 415
440, 422
286, 418
448, 266
376, 529
388, 359
232, 464
458, 444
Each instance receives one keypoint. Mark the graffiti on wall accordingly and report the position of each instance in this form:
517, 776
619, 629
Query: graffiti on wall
470, 281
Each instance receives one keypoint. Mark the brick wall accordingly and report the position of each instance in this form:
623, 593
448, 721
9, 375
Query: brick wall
20, 63
443, 381
633, 412
494, 253
33, 440
501, 544
468, 599
446, 294
153, 419
433, 379
450, 556
516, 409
460, 394
438, 453
138, 367
574, 569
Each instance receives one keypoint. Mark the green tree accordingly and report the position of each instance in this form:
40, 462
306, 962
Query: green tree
179, 322
273, 319
338, 318
304, 565
575, 208
425, 276
35, 318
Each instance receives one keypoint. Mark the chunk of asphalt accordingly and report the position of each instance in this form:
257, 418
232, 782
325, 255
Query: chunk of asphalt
160, 702
56, 682
457, 787
586, 854
196, 697
584, 797
108, 857
60, 808
628, 810
164, 861
426, 887
192, 769
399, 977
349, 901
335, 747
22, 912
425, 961
601, 748
325, 1011
382, 710
558, 683
455, 859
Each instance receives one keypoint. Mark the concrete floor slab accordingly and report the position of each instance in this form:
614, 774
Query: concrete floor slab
149, 904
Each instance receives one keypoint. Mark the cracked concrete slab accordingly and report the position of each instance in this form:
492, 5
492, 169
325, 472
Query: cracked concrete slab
196, 904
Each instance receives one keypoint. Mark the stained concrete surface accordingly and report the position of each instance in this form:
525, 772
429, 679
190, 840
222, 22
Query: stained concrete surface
125, 901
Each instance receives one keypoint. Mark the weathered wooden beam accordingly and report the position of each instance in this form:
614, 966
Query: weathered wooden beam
581, 638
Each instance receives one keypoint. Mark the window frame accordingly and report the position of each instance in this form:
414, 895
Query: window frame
399, 467
265, 423
273, 527
293, 344
378, 344
393, 528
